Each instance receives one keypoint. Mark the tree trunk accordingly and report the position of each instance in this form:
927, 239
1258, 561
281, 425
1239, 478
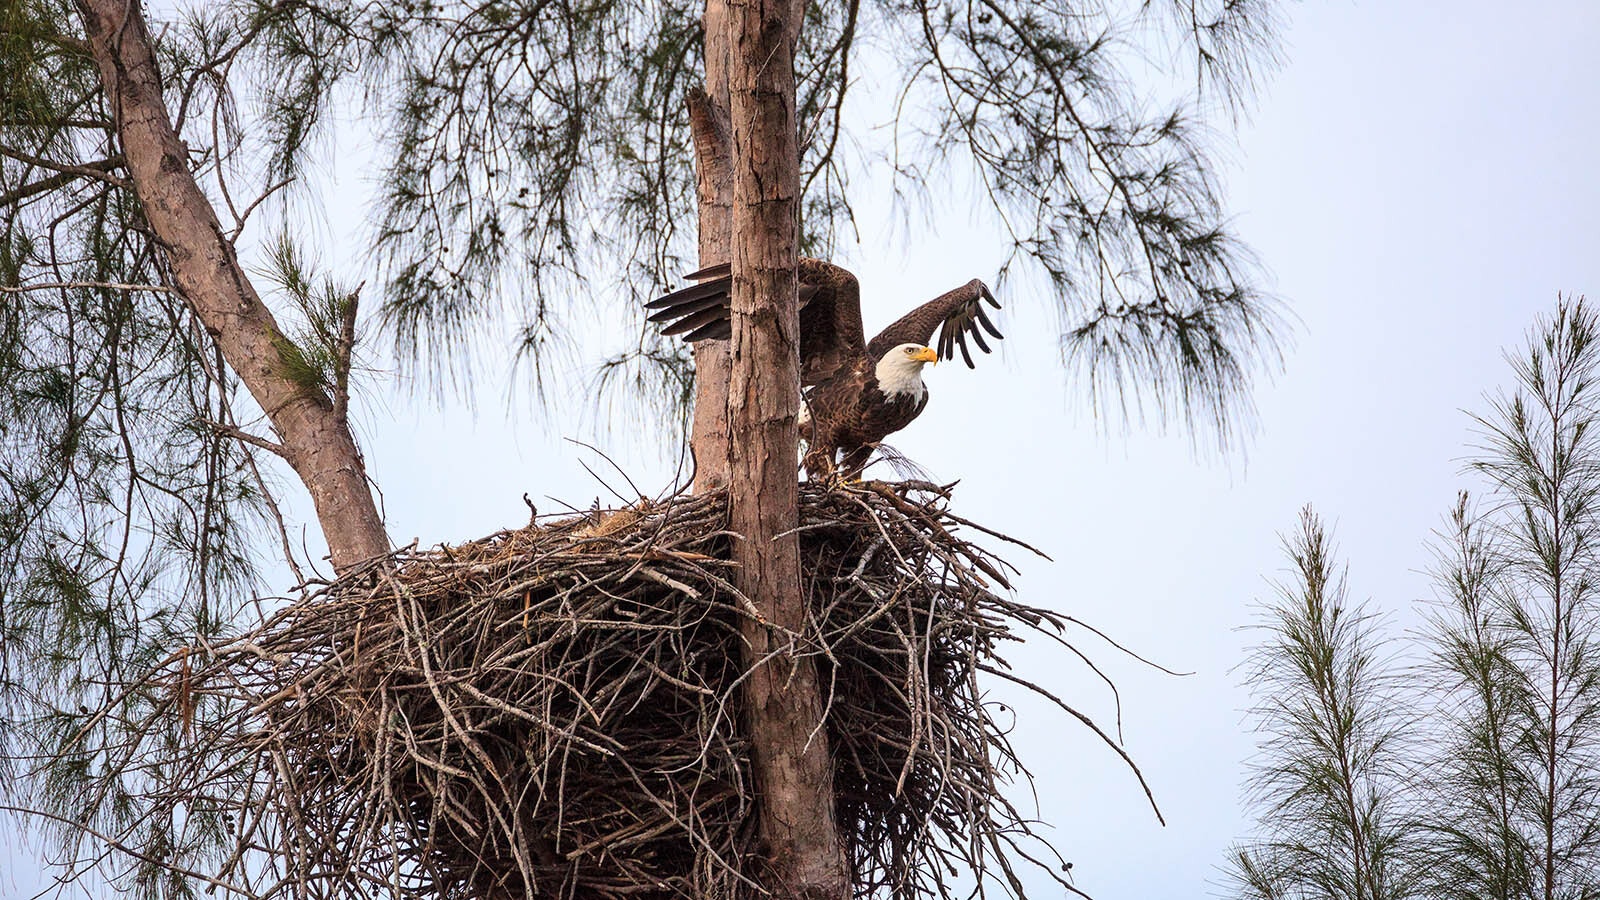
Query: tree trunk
783, 699
713, 146
315, 438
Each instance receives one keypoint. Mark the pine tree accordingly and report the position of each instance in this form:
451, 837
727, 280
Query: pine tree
1479, 781
1331, 776
155, 380
1518, 800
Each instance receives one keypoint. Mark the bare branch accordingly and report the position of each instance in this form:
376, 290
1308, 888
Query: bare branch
64, 177
99, 170
85, 285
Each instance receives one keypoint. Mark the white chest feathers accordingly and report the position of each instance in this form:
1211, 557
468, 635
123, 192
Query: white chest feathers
900, 375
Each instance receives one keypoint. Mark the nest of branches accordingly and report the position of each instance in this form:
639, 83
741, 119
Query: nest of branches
554, 712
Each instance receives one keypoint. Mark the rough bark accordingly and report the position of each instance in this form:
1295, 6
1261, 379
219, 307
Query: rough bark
314, 436
783, 699
713, 146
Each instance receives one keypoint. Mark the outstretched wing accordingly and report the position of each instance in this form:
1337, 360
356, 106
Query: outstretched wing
831, 338
830, 315
957, 314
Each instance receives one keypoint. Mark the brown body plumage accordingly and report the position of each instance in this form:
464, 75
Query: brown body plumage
851, 413
858, 392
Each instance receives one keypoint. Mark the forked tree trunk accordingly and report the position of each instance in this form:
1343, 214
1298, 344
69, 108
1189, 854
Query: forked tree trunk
315, 438
783, 699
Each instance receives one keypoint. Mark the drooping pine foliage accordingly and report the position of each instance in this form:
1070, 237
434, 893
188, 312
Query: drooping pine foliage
125, 514
541, 150
535, 164
130, 518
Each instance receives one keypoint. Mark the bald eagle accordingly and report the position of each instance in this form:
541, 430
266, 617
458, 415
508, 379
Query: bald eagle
856, 392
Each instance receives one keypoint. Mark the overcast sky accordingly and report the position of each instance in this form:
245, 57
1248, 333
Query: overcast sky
1420, 185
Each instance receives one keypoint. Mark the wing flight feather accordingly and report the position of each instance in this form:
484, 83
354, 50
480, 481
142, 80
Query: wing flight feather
830, 315
954, 314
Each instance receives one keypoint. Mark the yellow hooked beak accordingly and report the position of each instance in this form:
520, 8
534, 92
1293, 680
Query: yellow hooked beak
927, 355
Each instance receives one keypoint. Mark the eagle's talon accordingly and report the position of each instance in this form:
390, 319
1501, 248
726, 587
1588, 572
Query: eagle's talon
838, 479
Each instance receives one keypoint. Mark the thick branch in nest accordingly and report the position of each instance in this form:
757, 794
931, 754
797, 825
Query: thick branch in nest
552, 712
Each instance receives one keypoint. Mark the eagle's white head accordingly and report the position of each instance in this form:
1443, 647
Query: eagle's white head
900, 370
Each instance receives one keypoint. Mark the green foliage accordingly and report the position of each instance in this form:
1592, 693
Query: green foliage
1498, 796
1332, 772
1117, 207
536, 164
1519, 794
126, 517
1484, 851
313, 357
41, 66
125, 531
539, 155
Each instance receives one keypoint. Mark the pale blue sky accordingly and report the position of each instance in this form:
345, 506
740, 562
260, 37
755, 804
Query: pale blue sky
1418, 179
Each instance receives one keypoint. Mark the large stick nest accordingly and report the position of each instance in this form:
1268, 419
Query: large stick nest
554, 712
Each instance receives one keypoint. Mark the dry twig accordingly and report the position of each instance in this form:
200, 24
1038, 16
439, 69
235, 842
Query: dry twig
552, 712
